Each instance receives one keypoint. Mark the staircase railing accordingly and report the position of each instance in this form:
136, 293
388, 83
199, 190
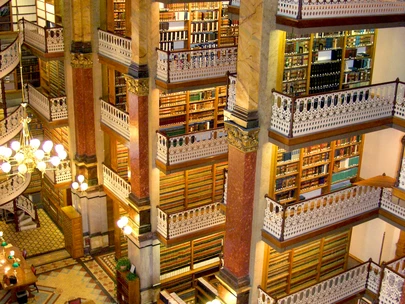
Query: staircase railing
51, 108
49, 40
26, 205
10, 126
9, 56
13, 187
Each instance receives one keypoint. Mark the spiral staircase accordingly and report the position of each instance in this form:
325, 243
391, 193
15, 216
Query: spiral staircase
11, 189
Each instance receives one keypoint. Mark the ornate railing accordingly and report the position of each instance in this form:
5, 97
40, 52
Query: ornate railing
389, 206
231, 102
27, 206
178, 149
399, 110
13, 187
51, 108
11, 126
288, 221
332, 290
114, 118
304, 115
319, 9
116, 184
180, 66
392, 287
172, 225
114, 47
60, 174
9, 58
48, 40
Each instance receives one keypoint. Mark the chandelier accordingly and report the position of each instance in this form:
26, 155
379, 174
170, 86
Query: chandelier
25, 155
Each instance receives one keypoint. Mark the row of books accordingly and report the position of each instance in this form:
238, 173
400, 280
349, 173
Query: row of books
285, 169
296, 61
346, 151
347, 163
285, 182
172, 36
344, 175
348, 140
321, 157
296, 47
323, 169
173, 16
201, 95
289, 156
204, 26
315, 148
209, 15
314, 183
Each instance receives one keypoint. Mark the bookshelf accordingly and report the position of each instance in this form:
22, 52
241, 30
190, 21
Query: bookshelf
128, 292
30, 69
122, 161
192, 111
120, 91
328, 61
315, 170
56, 78
6, 24
119, 17
196, 25
295, 269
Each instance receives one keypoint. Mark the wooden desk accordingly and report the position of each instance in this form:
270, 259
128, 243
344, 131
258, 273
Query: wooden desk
24, 274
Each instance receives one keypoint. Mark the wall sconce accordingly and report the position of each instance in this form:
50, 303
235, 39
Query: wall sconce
122, 223
80, 184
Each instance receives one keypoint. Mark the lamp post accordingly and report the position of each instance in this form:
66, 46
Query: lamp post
80, 184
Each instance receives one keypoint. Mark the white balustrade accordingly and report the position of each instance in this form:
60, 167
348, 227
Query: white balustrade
60, 174
8, 206
310, 114
225, 197
12, 187
49, 40
188, 147
231, 102
179, 66
309, 215
116, 184
319, 9
51, 108
401, 181
54, 40
9, 57
265, 298
398, 266
172, 225
26, 205
115, 47
389, 206
391, 287
374, 277
114, 118
10, 126
399, 110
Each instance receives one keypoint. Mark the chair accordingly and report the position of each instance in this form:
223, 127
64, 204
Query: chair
34, 271
22, 297
24, 254
74, 301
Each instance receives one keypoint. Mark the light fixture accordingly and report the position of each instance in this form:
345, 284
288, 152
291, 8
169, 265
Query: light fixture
122, 223
25, 155
80, 184
215, 301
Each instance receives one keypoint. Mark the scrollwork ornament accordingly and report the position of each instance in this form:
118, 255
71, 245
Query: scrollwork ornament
138, 86
244, 140
81, 61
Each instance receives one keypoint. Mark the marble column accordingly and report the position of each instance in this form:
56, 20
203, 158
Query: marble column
234, 276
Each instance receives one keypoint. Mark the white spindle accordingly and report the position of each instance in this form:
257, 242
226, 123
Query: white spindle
116, 184
115, 47
115, 119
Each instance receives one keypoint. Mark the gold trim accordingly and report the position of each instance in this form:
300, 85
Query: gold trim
245, 140
138, 86
82, 61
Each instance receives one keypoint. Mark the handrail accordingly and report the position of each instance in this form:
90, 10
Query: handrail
195, 50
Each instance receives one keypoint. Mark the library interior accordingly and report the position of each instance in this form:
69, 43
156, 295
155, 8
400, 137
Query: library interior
185, 152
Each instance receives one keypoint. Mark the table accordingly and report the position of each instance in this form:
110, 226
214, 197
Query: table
24, 274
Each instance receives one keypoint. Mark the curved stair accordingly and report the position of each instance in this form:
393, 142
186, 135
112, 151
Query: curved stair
25, 214
10, 56
11, 126
13, 187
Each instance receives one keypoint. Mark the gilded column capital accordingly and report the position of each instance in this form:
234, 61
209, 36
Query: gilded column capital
138, 86
81, 61
245, 140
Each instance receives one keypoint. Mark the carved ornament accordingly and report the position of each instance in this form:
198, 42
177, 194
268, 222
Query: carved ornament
81, 61
245, 140
138, 86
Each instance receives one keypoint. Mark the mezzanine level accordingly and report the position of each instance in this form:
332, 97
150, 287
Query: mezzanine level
297, 121
303, 15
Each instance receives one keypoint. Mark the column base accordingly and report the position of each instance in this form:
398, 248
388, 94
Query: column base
88, 169
143, 210
233, 290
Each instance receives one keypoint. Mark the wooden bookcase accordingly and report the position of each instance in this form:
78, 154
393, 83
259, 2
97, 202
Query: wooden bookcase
192, 111
192, 188
196, 25
321, 62
119, 17
30, 69
6, 23
72, 231
303, 266
128, 292
324, 167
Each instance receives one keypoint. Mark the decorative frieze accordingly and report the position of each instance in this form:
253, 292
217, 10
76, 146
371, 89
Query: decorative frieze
139, 87
245, 140
81, 61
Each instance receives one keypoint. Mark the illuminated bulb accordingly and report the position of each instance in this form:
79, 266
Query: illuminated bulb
127, 230
47, 146
84, 186
75, 185
12, 253
124, 220
216, 301
41, 166
120, 223
59, 148
35, 143
15, 145
2, 150
1, 233
39, 154
62, 155
7, 152
6, 167
55, 161
80, 178
22, 169
19, 157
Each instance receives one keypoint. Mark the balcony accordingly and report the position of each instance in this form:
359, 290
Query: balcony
115, 121
53, 110
193, 149
114, 50
384, 283
115, 185
297, 121
339, 14
61, 176
179, 69
11, 125
187, 224
45, 41
284, 224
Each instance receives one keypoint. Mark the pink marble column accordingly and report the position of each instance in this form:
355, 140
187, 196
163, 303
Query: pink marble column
239, 212
82, 75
